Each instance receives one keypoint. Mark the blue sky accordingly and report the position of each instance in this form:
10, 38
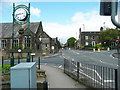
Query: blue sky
52, 11
62, 19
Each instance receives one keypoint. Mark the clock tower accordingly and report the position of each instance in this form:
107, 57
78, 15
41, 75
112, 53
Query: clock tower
21, 16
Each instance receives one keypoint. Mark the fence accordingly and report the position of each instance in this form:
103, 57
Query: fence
6, 64
92, 75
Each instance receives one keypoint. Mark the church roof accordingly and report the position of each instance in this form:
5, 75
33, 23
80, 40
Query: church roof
6, 29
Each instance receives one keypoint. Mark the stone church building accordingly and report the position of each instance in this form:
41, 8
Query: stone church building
39, 41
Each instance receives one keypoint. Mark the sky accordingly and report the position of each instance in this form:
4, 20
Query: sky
60, 19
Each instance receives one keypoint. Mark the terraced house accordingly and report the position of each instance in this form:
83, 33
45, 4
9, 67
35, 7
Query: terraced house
39, 41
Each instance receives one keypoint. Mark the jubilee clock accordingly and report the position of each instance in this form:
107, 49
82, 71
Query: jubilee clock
21, 14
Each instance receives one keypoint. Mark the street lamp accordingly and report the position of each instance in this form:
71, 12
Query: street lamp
19, 51
41, 44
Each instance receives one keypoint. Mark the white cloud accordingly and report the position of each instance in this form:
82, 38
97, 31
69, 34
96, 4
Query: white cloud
35, 11
92, 21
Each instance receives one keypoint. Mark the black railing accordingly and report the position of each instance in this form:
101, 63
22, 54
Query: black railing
92, 75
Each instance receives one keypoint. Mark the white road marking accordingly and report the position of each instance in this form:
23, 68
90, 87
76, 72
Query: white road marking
60, 66
109, 81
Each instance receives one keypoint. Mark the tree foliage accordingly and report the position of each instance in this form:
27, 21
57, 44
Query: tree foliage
71, 42
108, 36
59, 45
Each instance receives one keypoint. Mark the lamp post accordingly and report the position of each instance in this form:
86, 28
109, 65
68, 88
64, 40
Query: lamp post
41, 44
19, 51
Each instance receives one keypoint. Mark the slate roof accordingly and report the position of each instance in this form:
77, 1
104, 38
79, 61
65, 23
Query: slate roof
6, 29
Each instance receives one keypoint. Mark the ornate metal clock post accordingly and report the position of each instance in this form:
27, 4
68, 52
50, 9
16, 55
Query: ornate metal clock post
21, 15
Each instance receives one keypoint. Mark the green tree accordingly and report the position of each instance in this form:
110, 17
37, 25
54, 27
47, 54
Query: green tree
71, 42
108, 36
59, 45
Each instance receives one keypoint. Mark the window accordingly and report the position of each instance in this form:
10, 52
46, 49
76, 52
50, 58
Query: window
3, 43
15, 43
45, 45
93, 37
86, 37
27, 41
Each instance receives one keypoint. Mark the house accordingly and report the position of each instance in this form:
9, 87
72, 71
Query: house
38, 41
87, 38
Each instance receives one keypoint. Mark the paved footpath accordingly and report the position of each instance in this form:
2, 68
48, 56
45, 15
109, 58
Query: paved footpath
58, 79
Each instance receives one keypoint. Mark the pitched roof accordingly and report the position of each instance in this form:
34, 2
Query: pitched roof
7, 29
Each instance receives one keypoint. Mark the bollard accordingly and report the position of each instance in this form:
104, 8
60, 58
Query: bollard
108, 49
18, 59
39, 63
78, 65
93, 49
12, 61
98, 49
32, 58
2, 61
28, 58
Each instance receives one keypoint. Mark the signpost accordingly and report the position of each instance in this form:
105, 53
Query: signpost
32, 54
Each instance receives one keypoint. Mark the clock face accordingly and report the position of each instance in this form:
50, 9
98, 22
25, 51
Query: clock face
20, 14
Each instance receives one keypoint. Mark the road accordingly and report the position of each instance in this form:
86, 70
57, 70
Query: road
96, 67
103, 58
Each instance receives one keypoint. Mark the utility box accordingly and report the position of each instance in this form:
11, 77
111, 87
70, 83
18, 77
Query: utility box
23, 75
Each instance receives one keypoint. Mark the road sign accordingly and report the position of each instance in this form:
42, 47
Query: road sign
32, 54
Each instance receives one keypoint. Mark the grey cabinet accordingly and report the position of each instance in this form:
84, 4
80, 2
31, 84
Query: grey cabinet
23, 75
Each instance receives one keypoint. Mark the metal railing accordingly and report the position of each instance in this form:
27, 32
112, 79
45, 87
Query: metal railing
92, 75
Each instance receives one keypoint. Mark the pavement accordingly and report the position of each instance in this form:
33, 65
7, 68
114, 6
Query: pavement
56, 78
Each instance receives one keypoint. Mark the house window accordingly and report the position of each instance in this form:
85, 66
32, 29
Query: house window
86, 43
45, 45
27, 41
15, 43
86, 37
93, 37
3, 43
